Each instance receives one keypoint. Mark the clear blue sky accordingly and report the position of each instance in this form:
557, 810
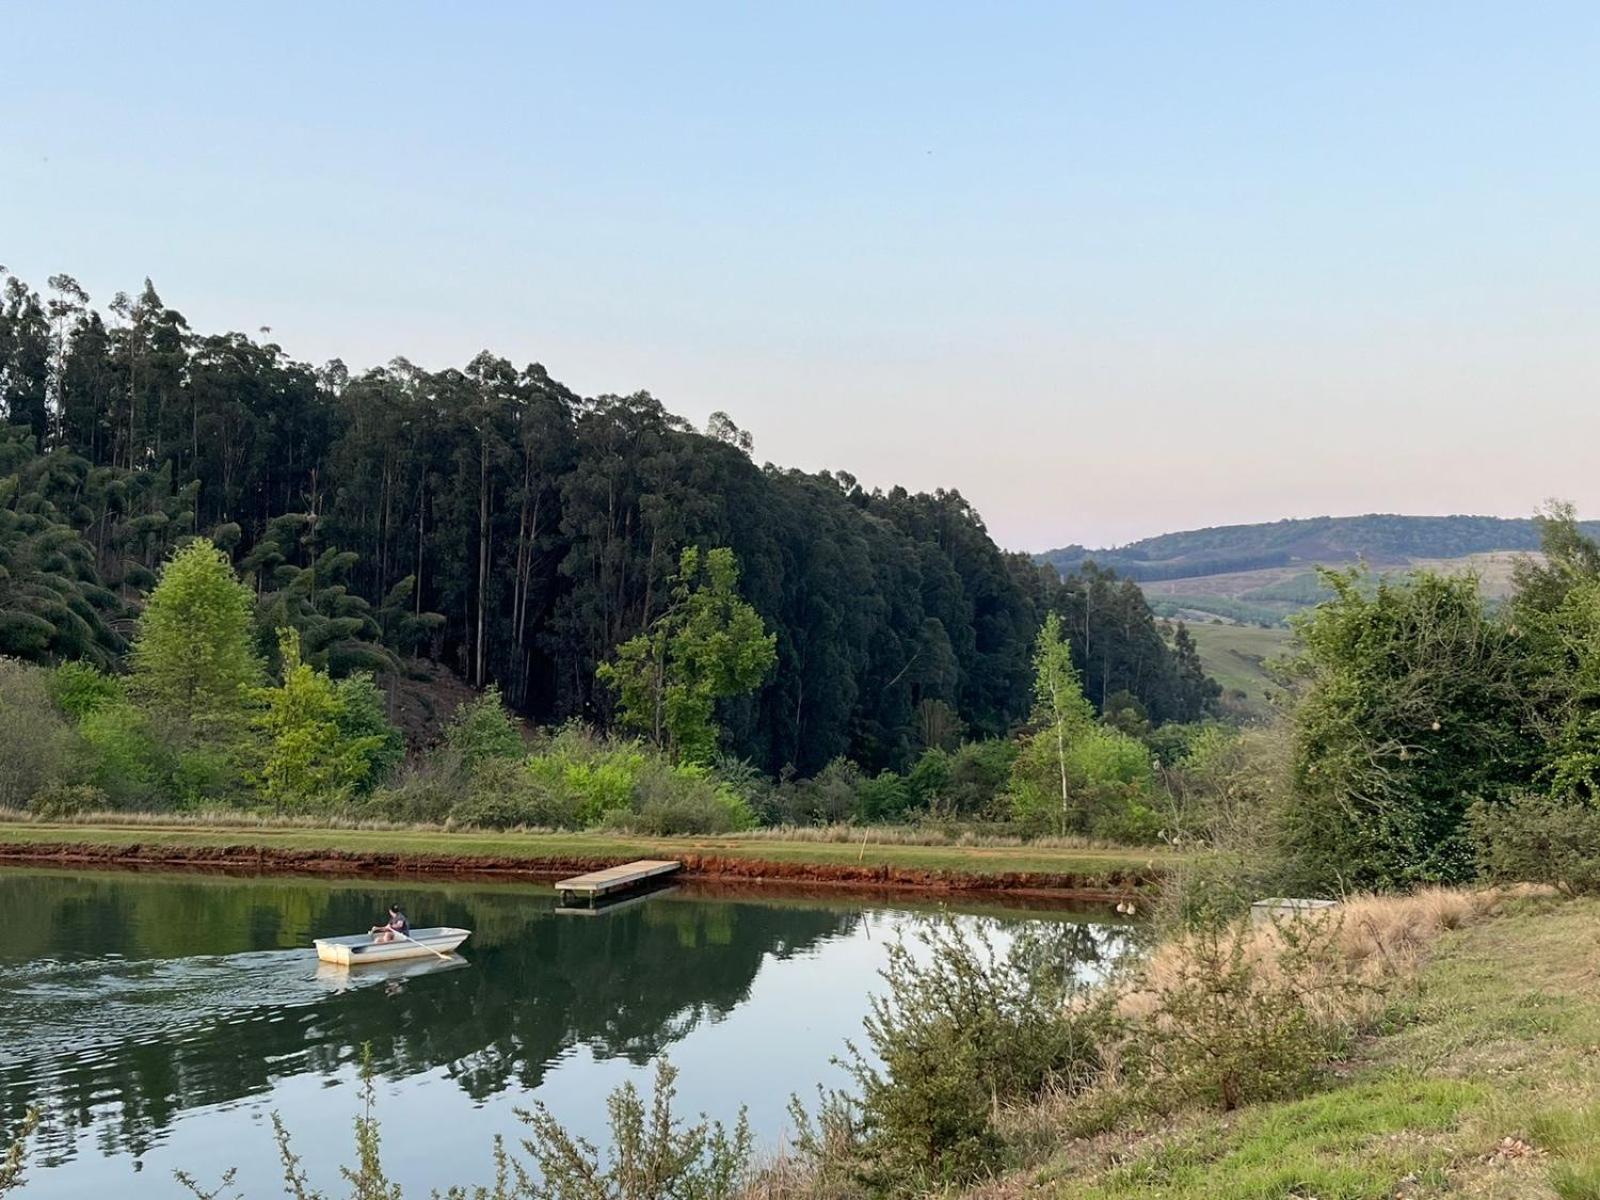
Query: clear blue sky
1108, 269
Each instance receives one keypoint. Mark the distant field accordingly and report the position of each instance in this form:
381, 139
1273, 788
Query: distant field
1271, 594
1235, 656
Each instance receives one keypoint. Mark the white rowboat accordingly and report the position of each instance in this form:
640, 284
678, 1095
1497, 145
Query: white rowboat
363, 948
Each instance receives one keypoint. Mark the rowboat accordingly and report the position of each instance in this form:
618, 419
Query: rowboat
363, 948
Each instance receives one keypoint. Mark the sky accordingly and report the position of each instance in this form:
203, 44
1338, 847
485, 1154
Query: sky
1108, 270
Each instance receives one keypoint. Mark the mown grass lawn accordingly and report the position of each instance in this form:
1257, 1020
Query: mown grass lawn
532, 848
1487, 1085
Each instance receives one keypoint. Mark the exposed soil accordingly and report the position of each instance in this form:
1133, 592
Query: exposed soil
1113, 884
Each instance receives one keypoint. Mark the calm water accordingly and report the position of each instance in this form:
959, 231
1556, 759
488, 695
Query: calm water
161, 1019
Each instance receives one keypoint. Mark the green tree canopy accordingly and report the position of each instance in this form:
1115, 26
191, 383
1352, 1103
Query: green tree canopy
319, 753
1413, 706
194, 657
709, 645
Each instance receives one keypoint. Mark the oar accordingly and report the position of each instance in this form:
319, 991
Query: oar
424, 945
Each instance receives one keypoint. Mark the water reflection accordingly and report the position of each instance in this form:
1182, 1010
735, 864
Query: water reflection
128, 1000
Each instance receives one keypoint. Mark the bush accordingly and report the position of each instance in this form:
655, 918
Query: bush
363, 716
1538, 838
1227, 801
79, 689
483, 729
68, 800
125, 759
1234, 1016
1415, 704
1108, 780
884, 797
978, 774
38, 742
829, 797
962, 1030
684, 799
424, 795
504, 793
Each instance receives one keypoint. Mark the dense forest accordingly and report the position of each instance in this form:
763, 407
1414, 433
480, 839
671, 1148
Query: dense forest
1379, 538
493, 520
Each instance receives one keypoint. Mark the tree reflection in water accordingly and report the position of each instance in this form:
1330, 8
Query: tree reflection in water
128, 999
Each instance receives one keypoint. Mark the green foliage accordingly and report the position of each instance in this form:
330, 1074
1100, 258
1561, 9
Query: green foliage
79, 688
38, 743
314, 758
482, 730
125, 758
1228, 799
1071, 774
1229, 1026
576, 780
830, 797
193, 657
1539, 838
362, 714
652, 1155
1061, 715
1413, 706
58, 800
708, 646
961, 1029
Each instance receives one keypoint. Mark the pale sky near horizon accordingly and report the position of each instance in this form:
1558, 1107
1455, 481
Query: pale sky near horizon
1108, 270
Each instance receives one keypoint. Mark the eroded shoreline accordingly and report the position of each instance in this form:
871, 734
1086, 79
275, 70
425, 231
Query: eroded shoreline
1110, 885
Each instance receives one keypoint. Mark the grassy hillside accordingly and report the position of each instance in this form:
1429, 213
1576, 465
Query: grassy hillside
1486, 1085
1235, 656
1379, 539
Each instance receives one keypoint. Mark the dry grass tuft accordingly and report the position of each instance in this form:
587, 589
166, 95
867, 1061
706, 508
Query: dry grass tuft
1369, 940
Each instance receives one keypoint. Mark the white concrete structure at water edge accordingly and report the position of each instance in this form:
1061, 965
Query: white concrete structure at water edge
1285, 908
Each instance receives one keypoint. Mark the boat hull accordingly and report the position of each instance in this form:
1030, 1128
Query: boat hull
361, 949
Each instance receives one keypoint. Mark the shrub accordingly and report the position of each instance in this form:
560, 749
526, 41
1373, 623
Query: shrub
125, 758
682, 799
1226, 806
363, 715
482, 729
979, 774
961, 1030
1539, 838
68, 800
424, 795
317, 753
1232, 1016
1414, 705
1108, 782
653, 1156
829, 797
203, 777
884, 797
79, 689
38, 742
503, 793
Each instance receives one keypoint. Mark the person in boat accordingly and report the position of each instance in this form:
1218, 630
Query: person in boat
397, 927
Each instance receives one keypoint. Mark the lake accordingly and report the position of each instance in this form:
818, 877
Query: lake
160, 1019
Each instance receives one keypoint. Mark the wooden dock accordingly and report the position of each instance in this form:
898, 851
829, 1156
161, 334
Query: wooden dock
613, 881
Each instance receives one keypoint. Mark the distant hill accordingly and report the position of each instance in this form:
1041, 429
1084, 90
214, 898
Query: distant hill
1380, 539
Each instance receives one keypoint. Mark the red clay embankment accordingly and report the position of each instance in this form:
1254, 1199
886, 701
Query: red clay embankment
1111, 883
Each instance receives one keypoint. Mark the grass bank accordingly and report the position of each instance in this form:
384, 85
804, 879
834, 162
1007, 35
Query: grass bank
1086, 870
1484, 1083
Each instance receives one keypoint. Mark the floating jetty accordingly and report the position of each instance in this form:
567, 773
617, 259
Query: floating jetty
616, 881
